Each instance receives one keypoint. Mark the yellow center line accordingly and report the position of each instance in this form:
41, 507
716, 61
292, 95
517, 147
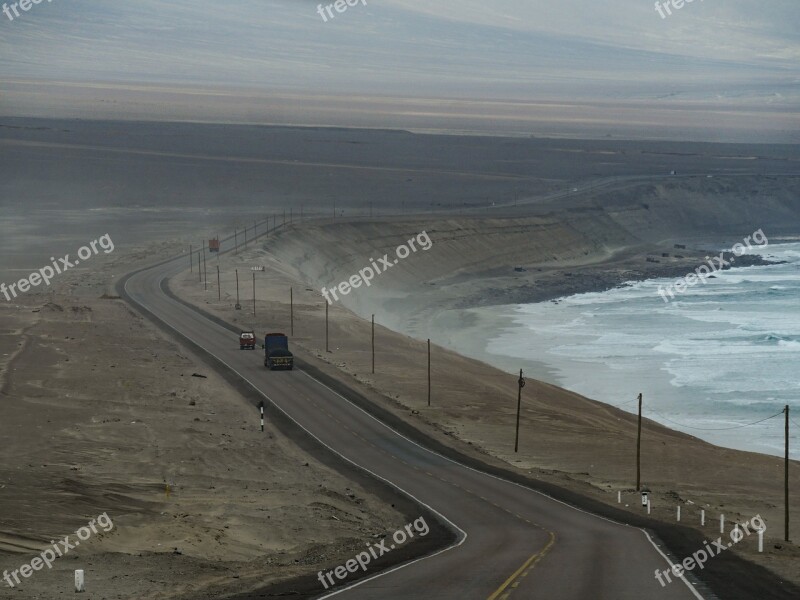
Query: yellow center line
526, 565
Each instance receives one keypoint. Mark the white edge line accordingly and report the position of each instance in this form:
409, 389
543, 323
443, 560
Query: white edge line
688, 584
397, 487
669, 562
467, 466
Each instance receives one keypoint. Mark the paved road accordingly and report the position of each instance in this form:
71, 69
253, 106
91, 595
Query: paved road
512, 543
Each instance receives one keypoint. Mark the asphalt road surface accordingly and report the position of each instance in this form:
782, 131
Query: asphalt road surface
512, 542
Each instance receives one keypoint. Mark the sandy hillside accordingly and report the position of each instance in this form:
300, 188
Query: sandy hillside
566, 439
101, 412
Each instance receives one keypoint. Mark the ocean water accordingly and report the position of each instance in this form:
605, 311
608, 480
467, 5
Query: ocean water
711, 362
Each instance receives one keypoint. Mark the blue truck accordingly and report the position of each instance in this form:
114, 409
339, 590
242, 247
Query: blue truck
276, 352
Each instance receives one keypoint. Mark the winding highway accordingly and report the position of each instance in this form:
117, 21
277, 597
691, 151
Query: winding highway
511, 542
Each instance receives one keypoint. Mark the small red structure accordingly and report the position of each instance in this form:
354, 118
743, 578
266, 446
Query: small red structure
213, 245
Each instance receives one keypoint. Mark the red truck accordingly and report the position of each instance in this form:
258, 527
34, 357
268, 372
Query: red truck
213, 245
247, 340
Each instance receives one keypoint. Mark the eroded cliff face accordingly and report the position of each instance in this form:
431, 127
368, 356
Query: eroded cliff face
541, 250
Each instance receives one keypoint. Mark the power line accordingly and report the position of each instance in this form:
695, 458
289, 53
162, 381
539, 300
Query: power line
715, 428
623, 404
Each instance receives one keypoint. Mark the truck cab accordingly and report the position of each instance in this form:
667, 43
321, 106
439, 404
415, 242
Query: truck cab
276, 352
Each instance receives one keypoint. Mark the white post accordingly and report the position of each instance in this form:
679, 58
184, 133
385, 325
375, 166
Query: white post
722, 523
619, 497
760, 540
702, 516
79, 580
736, 535
648, 506
679, 513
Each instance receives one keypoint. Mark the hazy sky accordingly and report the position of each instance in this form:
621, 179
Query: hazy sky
726, 53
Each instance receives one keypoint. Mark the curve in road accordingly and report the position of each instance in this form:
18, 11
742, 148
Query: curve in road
512, 542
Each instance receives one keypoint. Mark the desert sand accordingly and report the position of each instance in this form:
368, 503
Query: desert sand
566, 439
87, 383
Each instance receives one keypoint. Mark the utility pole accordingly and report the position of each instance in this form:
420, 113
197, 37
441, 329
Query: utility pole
639, 448
191, 263
219, 289
235, 242
373, 343
205, 273
429, 371
254, 293
326, 327
238, 306
199, 267
786, 479
521, 384
291, 311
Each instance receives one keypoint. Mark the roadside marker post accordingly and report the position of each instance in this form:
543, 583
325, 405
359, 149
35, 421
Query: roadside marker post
79, 583
702, 517
722, 523
736, 534
261, 409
